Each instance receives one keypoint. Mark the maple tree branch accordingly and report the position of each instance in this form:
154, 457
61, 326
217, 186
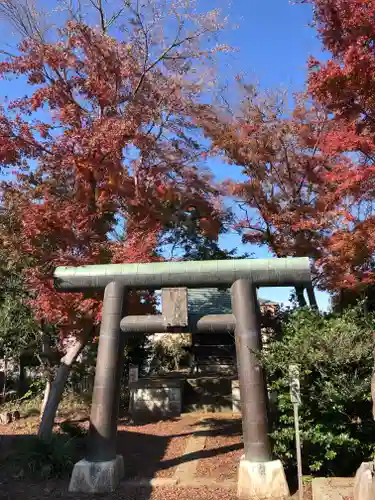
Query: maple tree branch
249, 225
276, 172
104, 23
23, 17
145, 34
26, 141
114, 17
315, 150
76, 14
98, 5
6, 53
270, 238
68, 90
175, 44
288, 166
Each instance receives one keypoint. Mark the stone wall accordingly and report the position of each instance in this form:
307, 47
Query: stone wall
155, 398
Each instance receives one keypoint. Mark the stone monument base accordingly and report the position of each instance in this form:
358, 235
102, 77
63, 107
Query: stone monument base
97, 477
262, 480
364, 482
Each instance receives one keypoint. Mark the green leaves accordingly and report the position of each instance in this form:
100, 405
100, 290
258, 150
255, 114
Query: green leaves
334, 354
17, 325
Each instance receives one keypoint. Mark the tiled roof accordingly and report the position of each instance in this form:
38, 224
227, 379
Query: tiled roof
212, 301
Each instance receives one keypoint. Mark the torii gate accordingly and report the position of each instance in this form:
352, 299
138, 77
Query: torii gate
101, 470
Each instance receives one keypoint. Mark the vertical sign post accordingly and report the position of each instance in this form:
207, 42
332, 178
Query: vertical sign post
133, 373
133, 377
295, 396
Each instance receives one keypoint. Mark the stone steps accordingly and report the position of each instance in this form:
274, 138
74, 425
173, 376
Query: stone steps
163, 397
208, 394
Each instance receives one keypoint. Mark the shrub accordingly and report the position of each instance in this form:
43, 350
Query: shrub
335, 358
73, 429
37, 458
168, 351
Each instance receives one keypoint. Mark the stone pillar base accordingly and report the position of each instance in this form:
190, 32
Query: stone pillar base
364, 482
262, 480
97, 477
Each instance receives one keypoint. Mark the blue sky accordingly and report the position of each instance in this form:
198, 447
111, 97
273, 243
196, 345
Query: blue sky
274, 40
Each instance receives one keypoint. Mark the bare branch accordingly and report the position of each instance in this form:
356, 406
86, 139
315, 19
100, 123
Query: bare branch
6, 53
24, 18
114, 17
98, 5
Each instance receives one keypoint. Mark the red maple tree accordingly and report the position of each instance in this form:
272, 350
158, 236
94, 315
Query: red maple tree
281, 200
105, 154
345, 86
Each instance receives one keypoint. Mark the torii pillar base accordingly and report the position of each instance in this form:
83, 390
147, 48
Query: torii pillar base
364, 482
262, 481
97, 477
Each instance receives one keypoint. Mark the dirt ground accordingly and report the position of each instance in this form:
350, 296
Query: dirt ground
35, 492
158, 450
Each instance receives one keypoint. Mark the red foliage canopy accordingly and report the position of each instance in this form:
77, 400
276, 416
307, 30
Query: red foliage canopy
103, 145
282, 198
345, 86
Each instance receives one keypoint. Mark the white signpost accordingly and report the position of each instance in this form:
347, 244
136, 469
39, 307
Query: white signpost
133, 373
133, 377
295, 396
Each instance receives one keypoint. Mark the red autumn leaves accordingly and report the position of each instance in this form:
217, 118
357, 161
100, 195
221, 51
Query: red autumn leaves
108, 156
104, 159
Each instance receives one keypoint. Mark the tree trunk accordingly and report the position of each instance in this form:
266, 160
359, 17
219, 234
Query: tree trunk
4, 381
312, 298
57, 389
176, 363
300, 296
47, 391
373, 389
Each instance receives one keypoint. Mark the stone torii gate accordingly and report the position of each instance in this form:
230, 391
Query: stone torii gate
101, 470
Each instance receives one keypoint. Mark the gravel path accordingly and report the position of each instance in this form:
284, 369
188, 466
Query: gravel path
154, 451
58, 491
123, 493
222, 466
223, 448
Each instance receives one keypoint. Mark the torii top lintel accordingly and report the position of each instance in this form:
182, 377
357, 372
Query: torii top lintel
195, 274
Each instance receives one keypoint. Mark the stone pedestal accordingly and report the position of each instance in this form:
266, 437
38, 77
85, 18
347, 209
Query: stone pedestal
97, 477
262, 480
364, 482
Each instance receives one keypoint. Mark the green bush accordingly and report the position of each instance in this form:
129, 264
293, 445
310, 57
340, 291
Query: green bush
168, 352
36, 458
335, 358
73, 429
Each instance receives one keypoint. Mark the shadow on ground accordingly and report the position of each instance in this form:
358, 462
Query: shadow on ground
146, 456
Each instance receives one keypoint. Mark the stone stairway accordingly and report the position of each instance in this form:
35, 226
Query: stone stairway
208, 393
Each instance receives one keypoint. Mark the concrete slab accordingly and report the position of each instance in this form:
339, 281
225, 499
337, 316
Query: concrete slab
195, 483
332, 488
154, 482
186, 470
